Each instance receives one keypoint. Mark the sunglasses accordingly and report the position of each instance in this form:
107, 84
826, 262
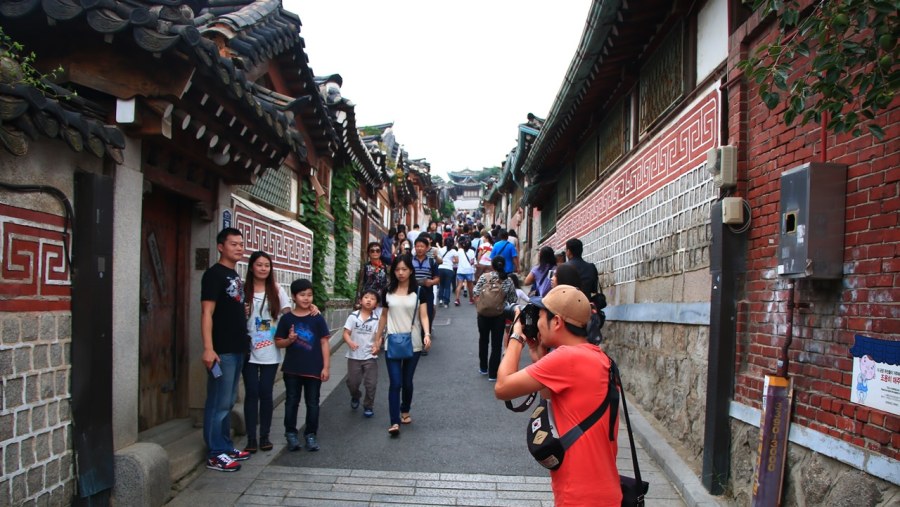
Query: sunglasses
378, 250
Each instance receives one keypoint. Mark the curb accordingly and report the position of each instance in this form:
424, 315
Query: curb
676, 469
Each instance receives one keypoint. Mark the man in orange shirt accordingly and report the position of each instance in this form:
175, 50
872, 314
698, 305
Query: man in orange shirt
575, 375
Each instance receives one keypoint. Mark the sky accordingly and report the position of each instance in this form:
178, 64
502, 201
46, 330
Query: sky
455, 78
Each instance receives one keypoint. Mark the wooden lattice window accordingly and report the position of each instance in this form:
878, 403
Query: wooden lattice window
586, 165
662, 78
614, 134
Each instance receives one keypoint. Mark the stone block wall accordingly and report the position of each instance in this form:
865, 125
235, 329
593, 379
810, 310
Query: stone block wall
810, 479
663, 368
35, 417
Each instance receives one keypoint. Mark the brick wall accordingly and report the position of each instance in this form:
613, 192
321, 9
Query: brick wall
863, 302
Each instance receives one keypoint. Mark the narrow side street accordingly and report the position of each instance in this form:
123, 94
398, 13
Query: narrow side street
463, 448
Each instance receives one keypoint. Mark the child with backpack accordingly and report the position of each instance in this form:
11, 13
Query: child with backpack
492, 292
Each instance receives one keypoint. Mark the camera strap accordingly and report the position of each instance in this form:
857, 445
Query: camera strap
525, 404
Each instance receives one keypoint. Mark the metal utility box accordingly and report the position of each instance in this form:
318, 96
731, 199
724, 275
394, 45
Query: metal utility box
811, 239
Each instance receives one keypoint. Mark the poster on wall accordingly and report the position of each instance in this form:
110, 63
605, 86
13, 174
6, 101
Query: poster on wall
876, 374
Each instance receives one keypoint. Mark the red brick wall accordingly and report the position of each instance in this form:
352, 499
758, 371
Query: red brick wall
866, 301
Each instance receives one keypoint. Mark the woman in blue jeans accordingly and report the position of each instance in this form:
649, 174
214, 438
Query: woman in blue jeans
266, 302
400, 304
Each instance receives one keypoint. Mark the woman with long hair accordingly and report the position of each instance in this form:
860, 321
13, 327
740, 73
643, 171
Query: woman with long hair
447, 271
539, 276
490, 329
402, 246
266, 302
401, 302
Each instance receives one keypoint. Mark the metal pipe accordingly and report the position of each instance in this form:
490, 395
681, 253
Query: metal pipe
784, 360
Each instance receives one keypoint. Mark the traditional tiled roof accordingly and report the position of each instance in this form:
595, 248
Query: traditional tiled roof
28, 113
615, 32
227, 40
367, 159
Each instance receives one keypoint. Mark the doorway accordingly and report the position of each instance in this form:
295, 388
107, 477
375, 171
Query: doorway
165, 235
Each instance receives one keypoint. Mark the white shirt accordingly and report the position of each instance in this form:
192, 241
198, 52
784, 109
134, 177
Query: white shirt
261, 328
466, 262
448, 259
362, 333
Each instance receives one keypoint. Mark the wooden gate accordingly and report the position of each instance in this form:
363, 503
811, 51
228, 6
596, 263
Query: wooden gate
165, 232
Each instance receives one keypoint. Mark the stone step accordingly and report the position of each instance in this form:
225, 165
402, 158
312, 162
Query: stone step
185, 453
167, 432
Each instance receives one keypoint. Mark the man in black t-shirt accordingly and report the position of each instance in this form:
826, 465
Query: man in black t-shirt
223, 326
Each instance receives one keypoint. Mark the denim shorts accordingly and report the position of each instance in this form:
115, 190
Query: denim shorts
465, 278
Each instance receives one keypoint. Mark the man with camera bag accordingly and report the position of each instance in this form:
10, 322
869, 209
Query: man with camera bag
575, 376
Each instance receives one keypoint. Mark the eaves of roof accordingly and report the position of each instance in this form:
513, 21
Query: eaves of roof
367, 168
254, 30
615, 36
27, 113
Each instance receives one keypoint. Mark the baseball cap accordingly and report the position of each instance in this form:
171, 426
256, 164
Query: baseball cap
568, 302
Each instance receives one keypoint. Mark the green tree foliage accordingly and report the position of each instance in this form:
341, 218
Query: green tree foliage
18, 67
344, 284
852, 73
314, 217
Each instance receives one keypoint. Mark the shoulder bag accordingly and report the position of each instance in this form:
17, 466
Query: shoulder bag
549, 449
399, 345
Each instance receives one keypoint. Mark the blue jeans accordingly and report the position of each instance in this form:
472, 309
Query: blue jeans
446, 283
221, 394
258, 382
400, 373
294, 386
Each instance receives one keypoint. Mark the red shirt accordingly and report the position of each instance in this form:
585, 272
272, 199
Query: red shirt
577, 376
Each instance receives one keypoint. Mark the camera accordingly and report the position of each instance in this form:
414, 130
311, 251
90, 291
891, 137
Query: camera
528, 315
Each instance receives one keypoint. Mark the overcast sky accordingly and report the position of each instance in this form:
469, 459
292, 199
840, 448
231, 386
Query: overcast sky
455, 78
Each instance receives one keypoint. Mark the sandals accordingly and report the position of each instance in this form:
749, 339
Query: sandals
405, 418
394, 430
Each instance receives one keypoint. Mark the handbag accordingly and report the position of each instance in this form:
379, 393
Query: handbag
633, 488
399, 345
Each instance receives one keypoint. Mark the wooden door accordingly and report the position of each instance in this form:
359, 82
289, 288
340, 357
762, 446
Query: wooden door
163, 373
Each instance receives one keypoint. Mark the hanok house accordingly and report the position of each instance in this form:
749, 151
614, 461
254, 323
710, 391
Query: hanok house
467, 189
368, 163
109, 206
696, 202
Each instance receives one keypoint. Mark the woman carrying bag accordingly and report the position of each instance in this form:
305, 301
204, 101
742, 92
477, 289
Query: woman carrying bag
403, 338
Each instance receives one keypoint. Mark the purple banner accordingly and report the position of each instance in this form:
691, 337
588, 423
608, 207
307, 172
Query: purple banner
773, 439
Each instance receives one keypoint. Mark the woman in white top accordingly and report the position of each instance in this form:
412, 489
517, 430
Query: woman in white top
266, 302
484, 255
397, 317
449, 259
465, 271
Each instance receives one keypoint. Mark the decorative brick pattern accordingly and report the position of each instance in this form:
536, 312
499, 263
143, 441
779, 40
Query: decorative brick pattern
679, 149
290, 248
35, 419
34, 274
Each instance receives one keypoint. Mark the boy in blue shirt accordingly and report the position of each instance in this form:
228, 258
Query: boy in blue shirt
306, 362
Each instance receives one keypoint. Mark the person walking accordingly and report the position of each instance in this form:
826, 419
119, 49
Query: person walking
427, 276
587, 272
267, 302
387, 247
362, 351
483, 255
507, 250
539, 276
373, 274
307, 361
401, 302
447, 271
465, 271
223, 328
576, 375
490, 327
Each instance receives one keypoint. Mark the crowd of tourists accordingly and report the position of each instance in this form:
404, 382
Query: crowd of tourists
251, 326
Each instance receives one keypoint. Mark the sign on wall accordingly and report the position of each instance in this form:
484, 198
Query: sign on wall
876, 374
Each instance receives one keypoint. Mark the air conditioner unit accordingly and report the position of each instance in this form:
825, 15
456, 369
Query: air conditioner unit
722, 165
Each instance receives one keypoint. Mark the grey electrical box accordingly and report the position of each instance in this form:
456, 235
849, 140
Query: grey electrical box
811, 240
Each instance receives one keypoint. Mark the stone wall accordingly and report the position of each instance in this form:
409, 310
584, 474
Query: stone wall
811, 478
663, 369
35, 417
